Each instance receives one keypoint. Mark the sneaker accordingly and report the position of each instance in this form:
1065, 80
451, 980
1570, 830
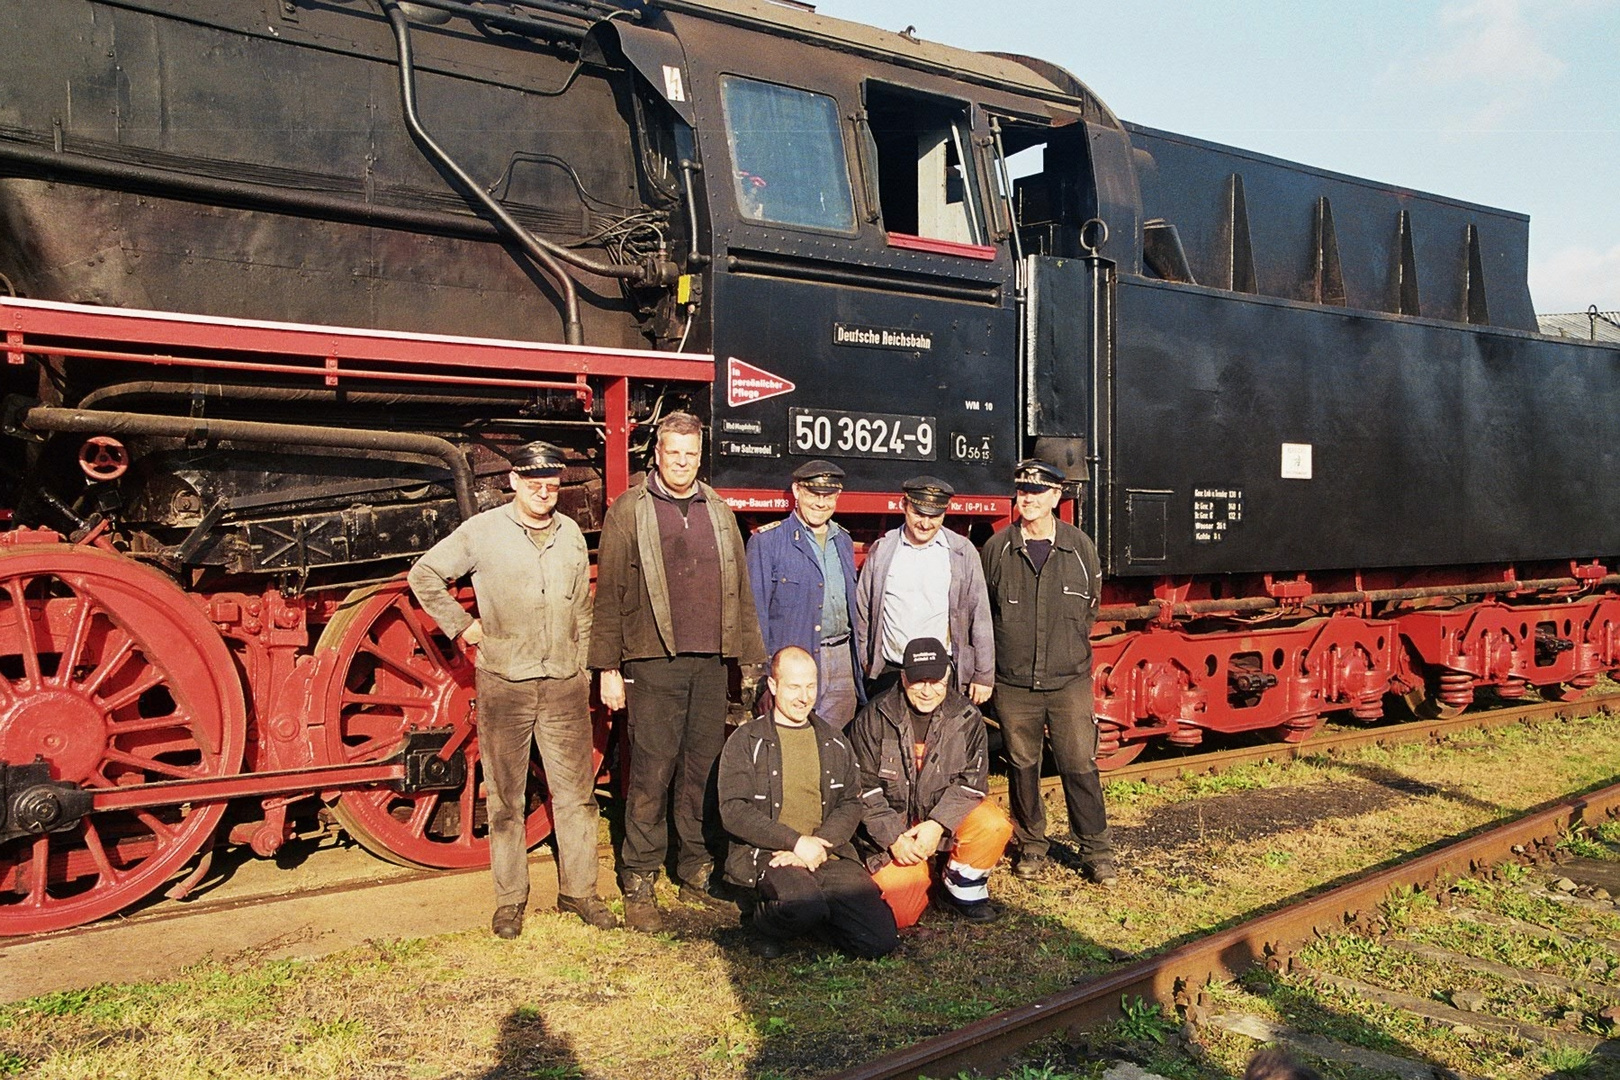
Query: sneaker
1029, 867
1100, 872
508, 921
590, 909
641, 903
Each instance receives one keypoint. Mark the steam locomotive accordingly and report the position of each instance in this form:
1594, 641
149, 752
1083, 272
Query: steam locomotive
284, 281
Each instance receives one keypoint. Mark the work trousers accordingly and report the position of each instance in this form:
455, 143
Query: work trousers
554, 715
976, 847
677, 716
837, 900
1028, 718
836, 701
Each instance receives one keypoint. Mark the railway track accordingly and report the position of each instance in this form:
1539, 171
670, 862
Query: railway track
1274, 943
1333, 742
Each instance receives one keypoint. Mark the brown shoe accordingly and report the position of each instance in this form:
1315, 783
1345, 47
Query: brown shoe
1100, 871
508, 921
699, 891
591, 911
640, 903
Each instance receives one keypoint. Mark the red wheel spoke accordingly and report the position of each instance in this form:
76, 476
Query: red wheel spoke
77, 638
29, 645
424, 640
373, 746
459, 737
467, 802
401, 701
146, 764
132, 693
159, 828
148, 723
422, 814
109, 663
374, 650
98, 852
39, 871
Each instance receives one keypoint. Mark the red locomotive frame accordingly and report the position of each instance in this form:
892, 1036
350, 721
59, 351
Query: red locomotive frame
133, 711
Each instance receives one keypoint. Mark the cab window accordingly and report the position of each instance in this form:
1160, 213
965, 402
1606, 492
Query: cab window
787, 156
925, 165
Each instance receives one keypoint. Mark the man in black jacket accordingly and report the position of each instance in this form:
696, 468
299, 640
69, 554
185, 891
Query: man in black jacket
1045, 582
925, 773
790, 798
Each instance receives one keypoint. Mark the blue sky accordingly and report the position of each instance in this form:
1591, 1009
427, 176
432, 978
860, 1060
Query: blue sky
1510, 103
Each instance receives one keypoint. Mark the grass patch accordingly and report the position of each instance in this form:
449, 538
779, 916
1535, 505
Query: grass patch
1196, 854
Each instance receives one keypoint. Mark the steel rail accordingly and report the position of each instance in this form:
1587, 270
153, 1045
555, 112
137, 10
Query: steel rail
1267, 939
1393, 734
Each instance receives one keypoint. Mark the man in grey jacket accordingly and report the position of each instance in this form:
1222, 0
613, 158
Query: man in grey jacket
924, 581
531, 580
672, 604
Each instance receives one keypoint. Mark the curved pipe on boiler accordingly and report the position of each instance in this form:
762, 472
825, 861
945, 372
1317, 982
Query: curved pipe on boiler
572, 329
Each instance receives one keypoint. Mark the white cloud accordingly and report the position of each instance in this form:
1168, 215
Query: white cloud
1572, 278
1495, 42
1493, 60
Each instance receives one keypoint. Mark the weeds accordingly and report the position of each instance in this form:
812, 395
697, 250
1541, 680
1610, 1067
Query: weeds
1579, 843
1143, 1021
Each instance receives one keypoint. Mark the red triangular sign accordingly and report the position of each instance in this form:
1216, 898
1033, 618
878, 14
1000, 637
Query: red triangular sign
746, 384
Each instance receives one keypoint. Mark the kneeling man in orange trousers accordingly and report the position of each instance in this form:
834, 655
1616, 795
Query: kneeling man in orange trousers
925, 767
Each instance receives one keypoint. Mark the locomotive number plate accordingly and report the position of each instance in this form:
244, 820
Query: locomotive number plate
859, 434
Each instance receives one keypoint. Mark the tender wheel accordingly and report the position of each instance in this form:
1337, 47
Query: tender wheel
396, 671
1127, 753
1562, 692
115, 677
1297, 733
1426, 706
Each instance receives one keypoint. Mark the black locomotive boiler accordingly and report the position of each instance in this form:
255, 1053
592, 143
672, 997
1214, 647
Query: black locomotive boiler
285, 280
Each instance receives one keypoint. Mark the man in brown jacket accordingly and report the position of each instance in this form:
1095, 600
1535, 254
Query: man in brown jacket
672, 604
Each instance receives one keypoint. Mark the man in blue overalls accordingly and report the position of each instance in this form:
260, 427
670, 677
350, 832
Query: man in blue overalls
802, 570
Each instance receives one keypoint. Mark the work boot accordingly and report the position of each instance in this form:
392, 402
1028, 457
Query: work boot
766, 948
1100, 871
697, 891
640, 903
1029, 867
508, 921
590, 909
974, 911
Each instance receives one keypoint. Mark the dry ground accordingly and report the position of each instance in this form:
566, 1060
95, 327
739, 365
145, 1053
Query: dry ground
565, 1001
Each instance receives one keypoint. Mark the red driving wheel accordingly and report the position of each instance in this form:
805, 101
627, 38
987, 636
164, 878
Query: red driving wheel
395, 672
114, 677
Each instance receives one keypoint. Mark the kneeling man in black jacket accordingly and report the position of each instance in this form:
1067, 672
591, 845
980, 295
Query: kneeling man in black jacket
790, 797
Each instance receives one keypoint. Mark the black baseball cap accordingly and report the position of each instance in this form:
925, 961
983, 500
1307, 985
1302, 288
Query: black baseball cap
926, 660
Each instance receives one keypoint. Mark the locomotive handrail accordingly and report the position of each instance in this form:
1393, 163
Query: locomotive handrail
22, 318
330, 371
